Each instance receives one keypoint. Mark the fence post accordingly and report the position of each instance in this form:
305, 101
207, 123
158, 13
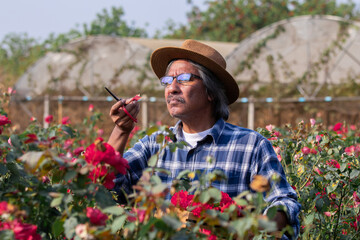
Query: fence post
46, 110
60, 111
144, 111
251, 113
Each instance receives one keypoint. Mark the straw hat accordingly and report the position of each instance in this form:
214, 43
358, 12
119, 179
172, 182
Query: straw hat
201, 54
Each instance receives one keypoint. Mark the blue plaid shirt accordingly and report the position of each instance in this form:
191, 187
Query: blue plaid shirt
239, 152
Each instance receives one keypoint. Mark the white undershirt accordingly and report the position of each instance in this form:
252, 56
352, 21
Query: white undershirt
193, 138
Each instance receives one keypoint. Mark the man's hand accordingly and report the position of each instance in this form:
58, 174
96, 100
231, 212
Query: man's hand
120, 112
281, 220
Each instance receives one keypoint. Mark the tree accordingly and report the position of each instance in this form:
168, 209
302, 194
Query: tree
234, 20
17, 53
110, 23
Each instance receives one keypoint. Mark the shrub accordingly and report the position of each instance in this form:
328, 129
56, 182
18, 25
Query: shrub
56, 183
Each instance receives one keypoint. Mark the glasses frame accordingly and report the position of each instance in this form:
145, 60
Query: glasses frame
177, 80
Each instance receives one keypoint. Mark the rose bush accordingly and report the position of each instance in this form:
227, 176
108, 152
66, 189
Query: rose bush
322, 165
55, 183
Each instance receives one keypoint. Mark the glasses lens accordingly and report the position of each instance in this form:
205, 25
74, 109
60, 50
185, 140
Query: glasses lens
166, 80
185, 77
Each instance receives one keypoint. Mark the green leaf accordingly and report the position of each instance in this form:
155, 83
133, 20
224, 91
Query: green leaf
115, 210
241, 202
70, 175
69, 227
319, 204
172, 222
57, 228
15, 141
68, 130
215, 194
343, 166
145, 228
32, 159
3, 169
242, 225
13, 167
152, 130
7, 235
152, 161
118, 223
204, 196
103, 197
309, 218
11, 157
160, 138
159, 188
162, 170
155, 179
266, 225
271, 212
354, 173
57, 201
183, 173
332, 186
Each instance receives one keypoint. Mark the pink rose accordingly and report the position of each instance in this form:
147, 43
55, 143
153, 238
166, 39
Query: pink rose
269, 127
305, 150
328, 214
49, 118
91, 108
312, 122
65, 120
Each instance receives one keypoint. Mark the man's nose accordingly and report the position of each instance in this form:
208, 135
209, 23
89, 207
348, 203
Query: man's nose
174, 86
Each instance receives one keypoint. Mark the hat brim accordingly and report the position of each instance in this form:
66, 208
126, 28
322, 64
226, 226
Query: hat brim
161, 57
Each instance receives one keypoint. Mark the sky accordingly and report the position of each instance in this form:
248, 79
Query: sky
39, 18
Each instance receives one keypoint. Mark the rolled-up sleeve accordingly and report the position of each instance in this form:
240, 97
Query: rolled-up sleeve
281, 194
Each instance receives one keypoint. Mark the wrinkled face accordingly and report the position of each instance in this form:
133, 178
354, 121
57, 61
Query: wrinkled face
187, 100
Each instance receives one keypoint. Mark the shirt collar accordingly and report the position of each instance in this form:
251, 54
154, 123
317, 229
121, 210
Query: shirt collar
215, 131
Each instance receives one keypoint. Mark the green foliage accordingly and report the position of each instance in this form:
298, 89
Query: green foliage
44, 182
110, 23
323, 166
19, 51
234, 20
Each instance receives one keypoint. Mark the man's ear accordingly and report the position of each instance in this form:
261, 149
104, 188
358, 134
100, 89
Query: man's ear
210, 97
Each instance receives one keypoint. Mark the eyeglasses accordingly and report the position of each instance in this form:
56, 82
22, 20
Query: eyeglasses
181, 78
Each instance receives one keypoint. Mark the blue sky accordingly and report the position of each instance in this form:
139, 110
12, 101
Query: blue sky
39, 18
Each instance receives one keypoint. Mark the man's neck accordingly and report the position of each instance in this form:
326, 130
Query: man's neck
194, 126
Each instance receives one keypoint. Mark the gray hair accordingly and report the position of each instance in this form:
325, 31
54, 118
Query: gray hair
214, 89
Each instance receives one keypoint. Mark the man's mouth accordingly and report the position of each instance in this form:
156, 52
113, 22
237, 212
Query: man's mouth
172, 99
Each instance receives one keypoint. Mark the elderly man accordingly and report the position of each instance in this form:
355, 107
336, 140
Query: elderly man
198, 90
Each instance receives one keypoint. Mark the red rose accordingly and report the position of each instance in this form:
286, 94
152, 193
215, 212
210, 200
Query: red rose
99, 152
25, 231
4, 120
333, 163
181, 199
119, 163
337, 127
31, 138
96, 216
